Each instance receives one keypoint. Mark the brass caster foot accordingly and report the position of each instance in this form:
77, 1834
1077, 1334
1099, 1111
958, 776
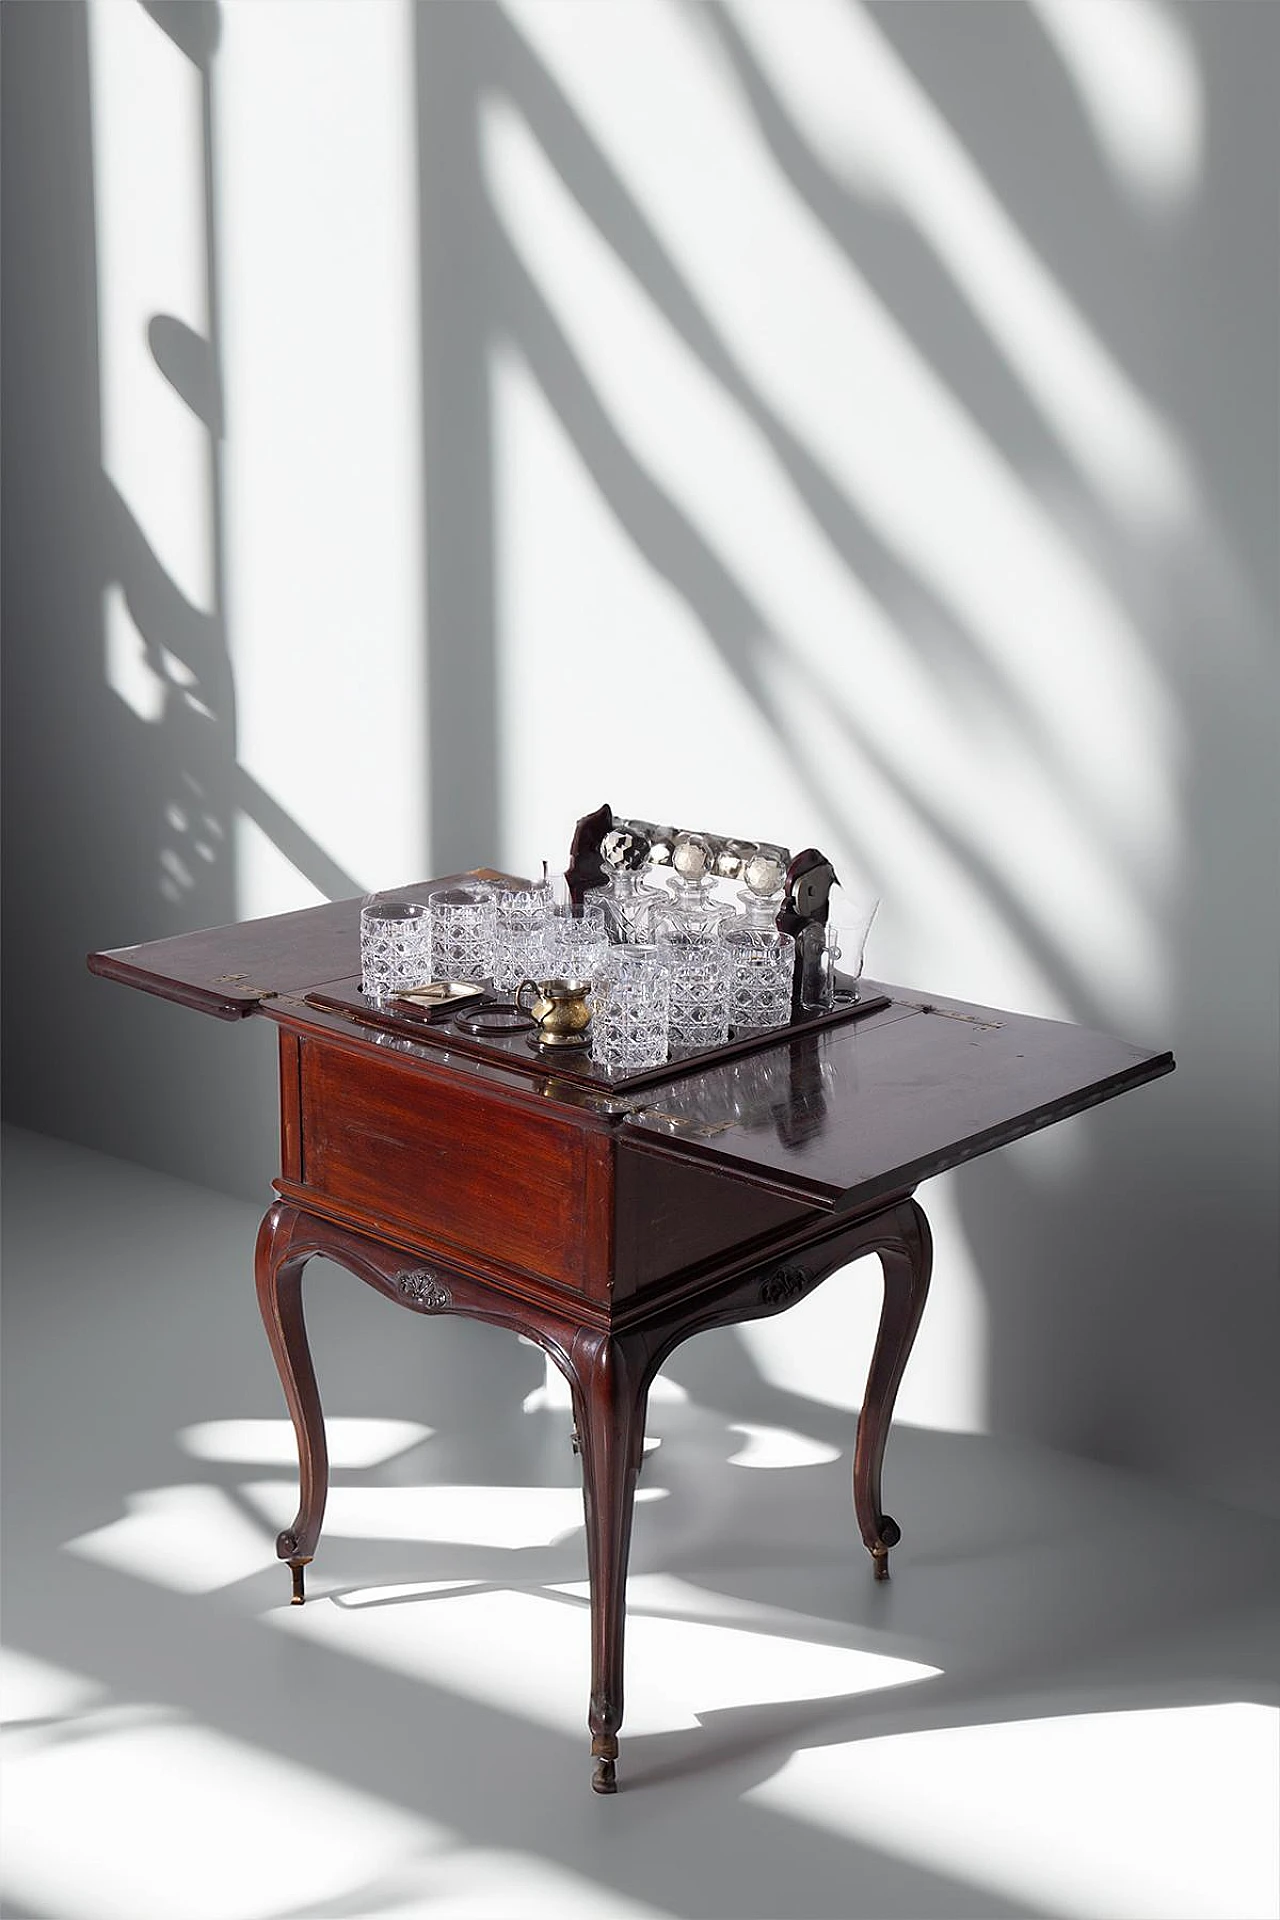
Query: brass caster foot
605, 1777
297, 1569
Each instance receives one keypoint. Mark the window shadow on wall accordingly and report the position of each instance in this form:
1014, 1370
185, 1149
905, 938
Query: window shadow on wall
1130, 1313
1127, 1307
122, 787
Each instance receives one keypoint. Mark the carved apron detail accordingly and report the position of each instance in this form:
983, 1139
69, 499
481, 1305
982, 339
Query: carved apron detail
787, 1284
424, 1289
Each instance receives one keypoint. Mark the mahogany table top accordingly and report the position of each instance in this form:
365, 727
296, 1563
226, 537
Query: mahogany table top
838, 1117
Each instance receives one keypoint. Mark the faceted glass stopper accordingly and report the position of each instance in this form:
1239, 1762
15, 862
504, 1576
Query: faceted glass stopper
625, 850
763, 875
691, 857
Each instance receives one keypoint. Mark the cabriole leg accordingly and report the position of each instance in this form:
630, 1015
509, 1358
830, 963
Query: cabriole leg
907, 1260
278, 1273
610, 1392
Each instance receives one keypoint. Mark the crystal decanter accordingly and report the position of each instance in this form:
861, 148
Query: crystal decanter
762, 958
691, 911
627, 905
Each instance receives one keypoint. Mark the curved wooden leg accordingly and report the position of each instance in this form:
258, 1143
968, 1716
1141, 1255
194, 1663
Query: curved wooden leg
610, 1390
278, 1273
907, 1259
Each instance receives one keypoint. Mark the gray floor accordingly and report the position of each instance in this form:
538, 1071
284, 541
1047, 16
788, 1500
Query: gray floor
1063, 1703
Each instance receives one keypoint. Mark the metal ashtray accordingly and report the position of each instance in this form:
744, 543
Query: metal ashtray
435, 994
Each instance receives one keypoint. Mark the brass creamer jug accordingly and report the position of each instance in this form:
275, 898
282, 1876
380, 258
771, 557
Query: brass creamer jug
560, 1009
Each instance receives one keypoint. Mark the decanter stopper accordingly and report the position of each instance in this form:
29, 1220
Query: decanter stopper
763, 876
691, 859
625, 849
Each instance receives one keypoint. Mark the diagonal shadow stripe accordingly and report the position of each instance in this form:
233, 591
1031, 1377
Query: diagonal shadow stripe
733, 623
293, 841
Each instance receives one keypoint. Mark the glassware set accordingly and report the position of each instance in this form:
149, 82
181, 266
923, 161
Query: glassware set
667, 965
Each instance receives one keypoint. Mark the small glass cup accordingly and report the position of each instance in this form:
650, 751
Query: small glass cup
854, 917
519, 913
763, 964
836, 964
395, 948
630, 1006
701, 981
463, 923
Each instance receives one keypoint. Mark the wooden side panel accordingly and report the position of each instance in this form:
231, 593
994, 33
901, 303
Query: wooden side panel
672, 1216
598, 1214
397, 1148
290, 1106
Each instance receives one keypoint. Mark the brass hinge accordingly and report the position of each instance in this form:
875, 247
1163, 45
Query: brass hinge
244, 986
946, 1013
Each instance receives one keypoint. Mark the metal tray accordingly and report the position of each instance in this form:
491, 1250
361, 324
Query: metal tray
512, 1052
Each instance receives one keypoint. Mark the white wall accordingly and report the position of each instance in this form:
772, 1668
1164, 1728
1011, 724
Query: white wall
869, 409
